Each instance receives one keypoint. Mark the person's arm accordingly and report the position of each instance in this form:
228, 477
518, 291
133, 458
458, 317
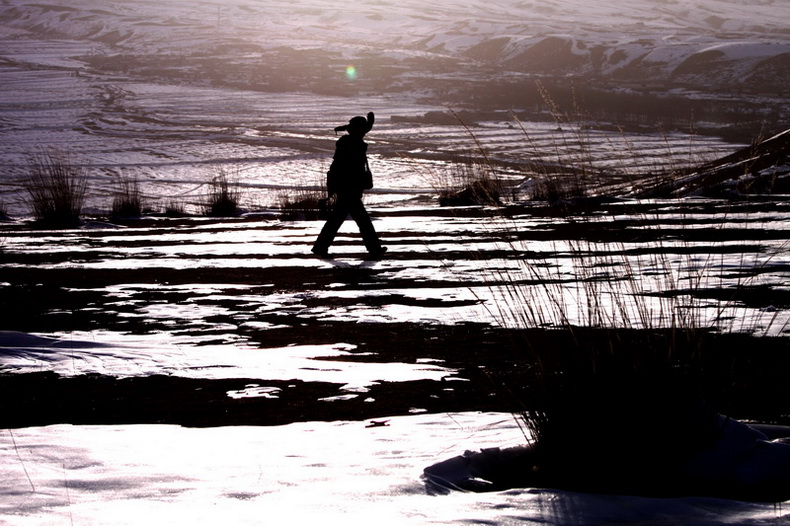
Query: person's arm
335, 177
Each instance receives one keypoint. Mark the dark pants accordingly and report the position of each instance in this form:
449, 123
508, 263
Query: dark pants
344, 206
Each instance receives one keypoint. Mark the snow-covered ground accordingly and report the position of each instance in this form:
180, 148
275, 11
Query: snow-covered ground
336, 473
174, 140
175, 93
665, 35
341, 472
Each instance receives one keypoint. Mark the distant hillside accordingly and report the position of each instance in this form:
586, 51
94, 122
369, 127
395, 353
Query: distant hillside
707, 44
656, 61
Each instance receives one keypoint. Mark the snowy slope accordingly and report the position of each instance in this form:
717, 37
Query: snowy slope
713, 41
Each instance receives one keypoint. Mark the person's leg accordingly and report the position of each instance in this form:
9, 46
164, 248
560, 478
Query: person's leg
332, 225
369, 235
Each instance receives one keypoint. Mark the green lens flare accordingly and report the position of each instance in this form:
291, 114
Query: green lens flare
351, 73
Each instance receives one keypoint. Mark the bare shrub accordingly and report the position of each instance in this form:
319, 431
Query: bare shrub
56, 190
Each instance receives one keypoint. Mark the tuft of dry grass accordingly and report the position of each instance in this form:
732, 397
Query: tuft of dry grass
624, 357
128, 202
56, 190
175, 208
469, 182
301, 200
223, 198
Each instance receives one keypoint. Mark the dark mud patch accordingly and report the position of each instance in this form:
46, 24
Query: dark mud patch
37, 399
274, 306
489, 369
762, 297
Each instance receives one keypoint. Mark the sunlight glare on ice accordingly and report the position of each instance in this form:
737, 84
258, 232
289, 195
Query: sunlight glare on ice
119, 355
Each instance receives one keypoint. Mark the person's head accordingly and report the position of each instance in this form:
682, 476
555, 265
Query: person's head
358, 126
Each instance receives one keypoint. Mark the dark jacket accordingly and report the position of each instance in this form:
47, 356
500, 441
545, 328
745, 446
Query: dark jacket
346, 174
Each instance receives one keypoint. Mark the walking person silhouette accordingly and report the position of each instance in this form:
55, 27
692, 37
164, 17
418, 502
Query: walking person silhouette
348, 177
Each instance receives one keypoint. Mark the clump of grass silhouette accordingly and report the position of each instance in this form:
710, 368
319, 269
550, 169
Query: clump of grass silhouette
469, 182
621, 346
128, 202
223, 198
303, 201
174, 208
56, 189
572, 174
567, 170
